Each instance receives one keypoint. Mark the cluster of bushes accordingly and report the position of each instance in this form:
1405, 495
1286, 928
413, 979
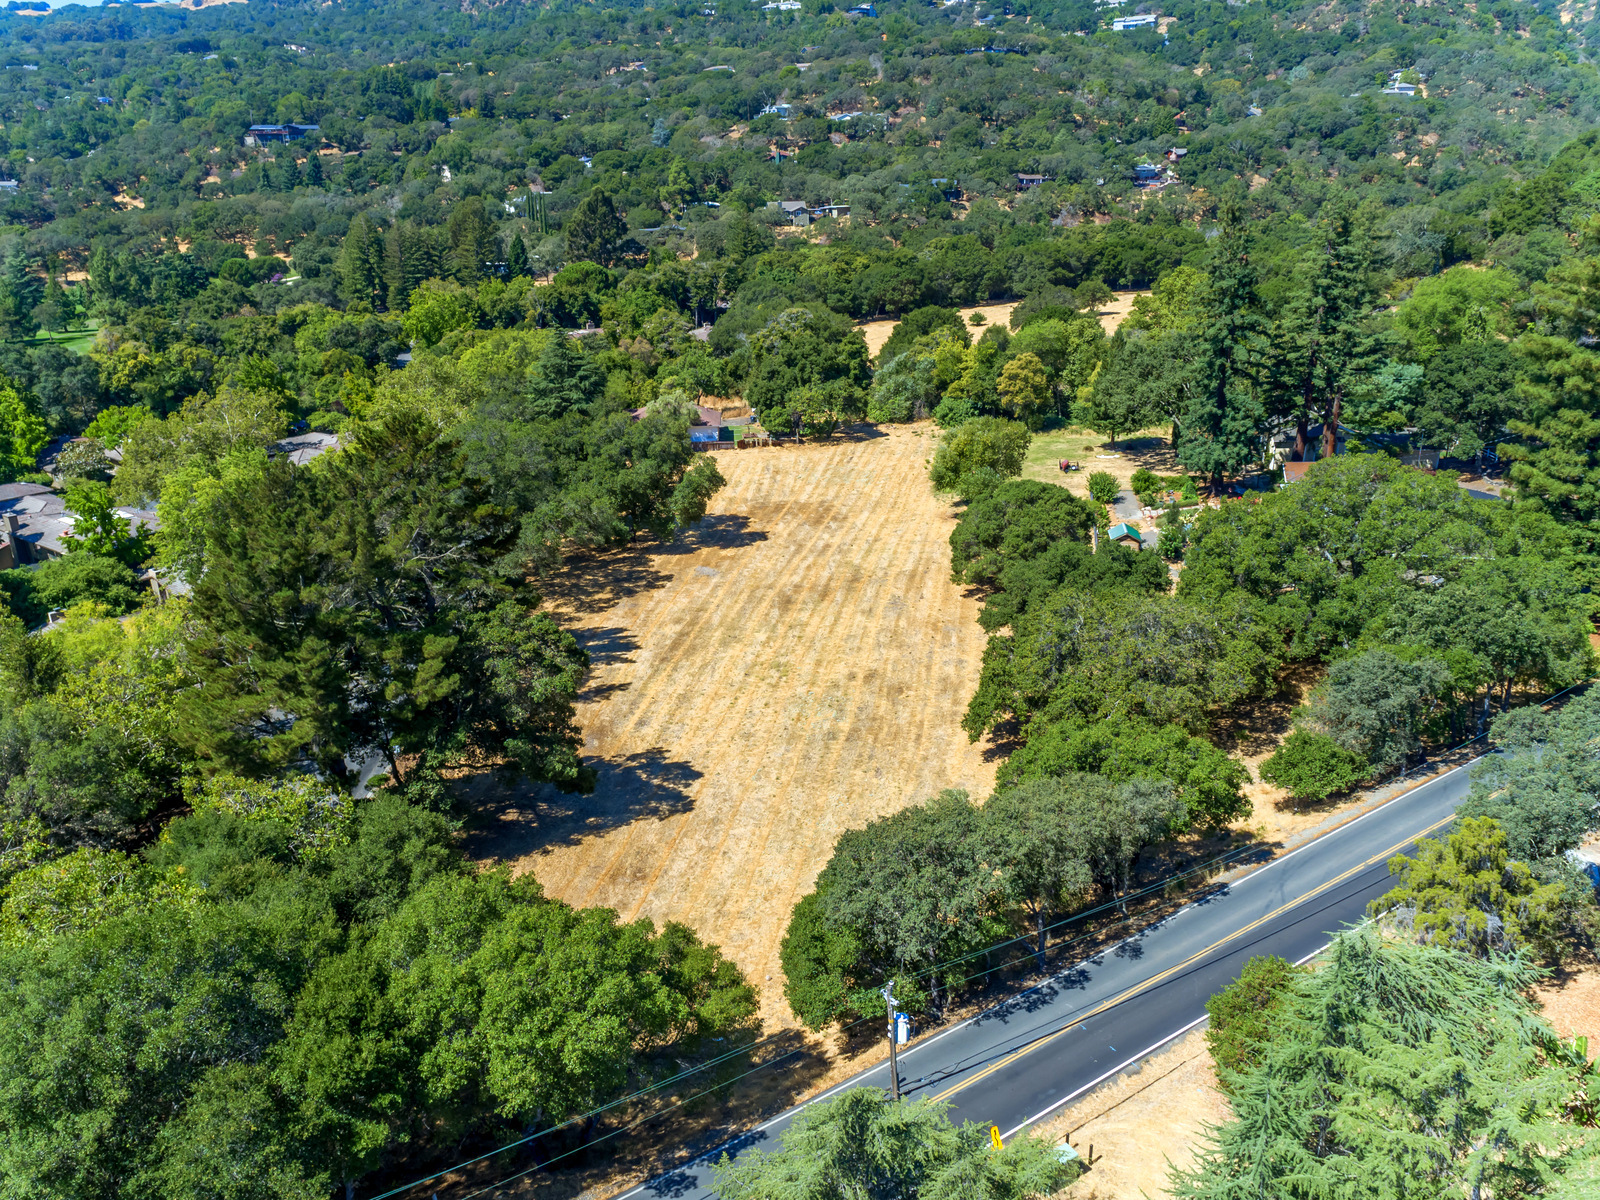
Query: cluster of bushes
918, 897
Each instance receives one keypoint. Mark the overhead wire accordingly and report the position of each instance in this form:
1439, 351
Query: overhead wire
742, 1051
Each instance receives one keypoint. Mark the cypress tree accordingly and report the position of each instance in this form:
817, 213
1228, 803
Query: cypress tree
1220, 429
1321, 350
517, 257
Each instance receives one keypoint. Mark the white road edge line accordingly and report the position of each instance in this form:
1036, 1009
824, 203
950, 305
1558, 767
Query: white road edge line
858, 1080
1145, 1053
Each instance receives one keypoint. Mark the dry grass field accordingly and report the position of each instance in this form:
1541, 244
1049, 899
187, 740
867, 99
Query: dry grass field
796, 667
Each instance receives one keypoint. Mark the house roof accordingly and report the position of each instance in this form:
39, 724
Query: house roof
16, 491
1293, 471
1122, 530
303, 447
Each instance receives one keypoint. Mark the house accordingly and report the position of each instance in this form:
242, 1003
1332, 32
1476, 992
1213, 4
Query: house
260, 135
1030, 181
35, 522
1126, 535
1146, 173
950, 189
794, 211
1174, 154
831, 210
783, 111
1398, 86
1141, 21
301, 448
862, 10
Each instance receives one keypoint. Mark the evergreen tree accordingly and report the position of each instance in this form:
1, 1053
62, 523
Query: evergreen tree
314, 174
564, 380
1321, 350
1399, 1071
360, 265
20, 294
410, 256
1220, 428
288, 174
595, 233
517, 257
473, 241
1556, 466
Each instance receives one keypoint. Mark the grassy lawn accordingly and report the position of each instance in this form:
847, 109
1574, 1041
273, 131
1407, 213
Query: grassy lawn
1145, 448
76, 340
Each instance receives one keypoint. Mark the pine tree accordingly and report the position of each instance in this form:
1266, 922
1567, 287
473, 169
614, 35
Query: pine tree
1321, 350
289, 174
360, 265
473, 241
1557, 465
564, 379
1220, 429
517, 257
595, 232
314, 176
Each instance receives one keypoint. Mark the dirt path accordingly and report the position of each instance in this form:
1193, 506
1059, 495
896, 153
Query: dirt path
797, 667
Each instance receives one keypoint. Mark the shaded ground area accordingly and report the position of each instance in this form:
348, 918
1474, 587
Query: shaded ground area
796, 667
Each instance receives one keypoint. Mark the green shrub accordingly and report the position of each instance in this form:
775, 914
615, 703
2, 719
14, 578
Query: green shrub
1103, 486
988, 442
1144, 480
1173, 540
1245, 1014
1312, 766
62, 582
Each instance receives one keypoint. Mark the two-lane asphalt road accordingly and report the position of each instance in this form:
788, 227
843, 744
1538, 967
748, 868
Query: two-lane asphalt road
1030, 1055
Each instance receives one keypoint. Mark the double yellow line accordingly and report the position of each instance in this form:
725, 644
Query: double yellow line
1147, 984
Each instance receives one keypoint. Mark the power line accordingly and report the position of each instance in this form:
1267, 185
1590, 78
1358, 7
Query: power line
1120, 902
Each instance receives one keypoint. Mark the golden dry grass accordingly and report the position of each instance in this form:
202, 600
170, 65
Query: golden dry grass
1139, 1124
795, 668
1111, 316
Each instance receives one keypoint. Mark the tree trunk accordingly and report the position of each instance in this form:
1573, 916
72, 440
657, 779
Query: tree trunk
1038, 921
1330, 427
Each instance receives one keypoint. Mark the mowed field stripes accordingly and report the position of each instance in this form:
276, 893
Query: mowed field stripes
796, 667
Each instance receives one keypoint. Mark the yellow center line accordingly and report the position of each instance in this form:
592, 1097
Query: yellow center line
1188, 962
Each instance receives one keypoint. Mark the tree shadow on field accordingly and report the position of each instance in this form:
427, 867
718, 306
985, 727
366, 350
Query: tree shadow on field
600, 580
715, 531
512, 823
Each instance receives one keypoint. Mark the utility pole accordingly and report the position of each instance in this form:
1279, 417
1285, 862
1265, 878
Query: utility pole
894, 1058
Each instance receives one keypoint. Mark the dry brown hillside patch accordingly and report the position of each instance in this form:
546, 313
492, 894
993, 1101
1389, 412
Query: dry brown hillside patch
795, 667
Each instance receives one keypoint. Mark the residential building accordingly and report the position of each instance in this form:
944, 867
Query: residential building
260, 135
1141, 21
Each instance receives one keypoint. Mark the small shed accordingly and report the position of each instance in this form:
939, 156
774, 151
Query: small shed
1126, 535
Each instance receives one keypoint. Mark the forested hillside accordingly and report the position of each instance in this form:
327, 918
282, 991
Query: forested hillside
495, 254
